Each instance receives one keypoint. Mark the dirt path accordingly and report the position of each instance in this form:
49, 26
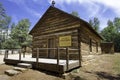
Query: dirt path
97, 67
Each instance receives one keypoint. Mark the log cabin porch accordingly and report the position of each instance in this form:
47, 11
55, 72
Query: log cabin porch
54, 65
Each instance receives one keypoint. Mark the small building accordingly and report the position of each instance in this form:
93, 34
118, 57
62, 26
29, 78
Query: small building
107, 47
57, 28
59, 41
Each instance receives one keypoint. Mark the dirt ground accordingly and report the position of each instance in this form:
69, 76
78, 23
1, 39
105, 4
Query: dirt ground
95, 67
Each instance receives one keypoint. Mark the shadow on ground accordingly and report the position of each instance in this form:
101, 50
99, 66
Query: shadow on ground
105, 75
108, 76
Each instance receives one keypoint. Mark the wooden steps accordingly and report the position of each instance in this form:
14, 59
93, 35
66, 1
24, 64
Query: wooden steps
24, 65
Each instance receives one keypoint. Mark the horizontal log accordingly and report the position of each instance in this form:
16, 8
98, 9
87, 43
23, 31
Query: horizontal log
56, 34
57, 28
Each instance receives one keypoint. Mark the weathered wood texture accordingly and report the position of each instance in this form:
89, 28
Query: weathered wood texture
38, 43
90, 43
55, 23
107, 48
45, 66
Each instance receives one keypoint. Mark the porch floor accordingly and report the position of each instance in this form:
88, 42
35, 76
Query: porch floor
44, 63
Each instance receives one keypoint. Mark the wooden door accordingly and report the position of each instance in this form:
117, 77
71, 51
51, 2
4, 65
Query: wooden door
51, 44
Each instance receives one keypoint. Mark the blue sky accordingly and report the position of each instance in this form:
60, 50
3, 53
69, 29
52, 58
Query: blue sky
87, 9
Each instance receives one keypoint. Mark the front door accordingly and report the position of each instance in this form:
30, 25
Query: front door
51, 44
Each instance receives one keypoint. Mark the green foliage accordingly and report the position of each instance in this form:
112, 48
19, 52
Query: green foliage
117, 23
112, 33
74, 13
10, 44
4, 25
19, 36
2, 11
95, 23
109, 32
19, 33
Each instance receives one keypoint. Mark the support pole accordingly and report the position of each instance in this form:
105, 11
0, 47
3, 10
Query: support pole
37, 58
58, 57
67, 58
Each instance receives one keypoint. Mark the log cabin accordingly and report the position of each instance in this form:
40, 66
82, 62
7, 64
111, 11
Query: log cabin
58, 29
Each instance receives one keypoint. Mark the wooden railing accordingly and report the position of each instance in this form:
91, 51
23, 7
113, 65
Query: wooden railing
7, 54
58, 55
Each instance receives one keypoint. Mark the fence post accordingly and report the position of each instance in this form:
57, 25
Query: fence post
37, 58
67, 58
20, 55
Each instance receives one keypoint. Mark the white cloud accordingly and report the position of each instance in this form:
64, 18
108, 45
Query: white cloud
32, 12
95, 8
113, 4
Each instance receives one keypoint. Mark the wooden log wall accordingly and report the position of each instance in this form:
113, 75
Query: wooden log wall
73, 54
42, 42
86, 35
55, 24
51, 24
39, 43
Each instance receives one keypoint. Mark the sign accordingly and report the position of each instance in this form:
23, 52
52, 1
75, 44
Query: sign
64, 41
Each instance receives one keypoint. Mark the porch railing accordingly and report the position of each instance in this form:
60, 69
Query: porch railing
58, 55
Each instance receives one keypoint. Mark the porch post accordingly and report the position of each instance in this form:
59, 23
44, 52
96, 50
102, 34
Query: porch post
58, 56
6, 54
20, 55
37, 58
67, 58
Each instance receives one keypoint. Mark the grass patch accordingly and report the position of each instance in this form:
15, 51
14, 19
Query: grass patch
116, 64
